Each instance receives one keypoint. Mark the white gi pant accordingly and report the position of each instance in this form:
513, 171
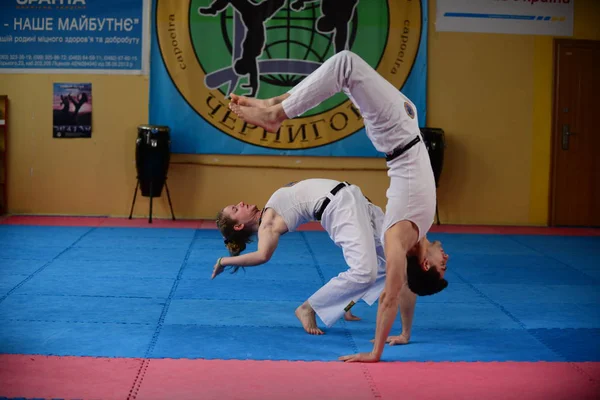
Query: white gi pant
354, 224
411, 194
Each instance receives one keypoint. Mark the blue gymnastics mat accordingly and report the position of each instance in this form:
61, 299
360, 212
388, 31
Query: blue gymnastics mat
140, 292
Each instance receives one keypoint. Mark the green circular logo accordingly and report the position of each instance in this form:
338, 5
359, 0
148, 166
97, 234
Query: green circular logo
214, 48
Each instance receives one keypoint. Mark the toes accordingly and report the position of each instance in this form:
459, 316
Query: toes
314, 331
235, 108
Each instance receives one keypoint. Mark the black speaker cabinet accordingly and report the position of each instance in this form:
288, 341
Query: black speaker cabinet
435, 141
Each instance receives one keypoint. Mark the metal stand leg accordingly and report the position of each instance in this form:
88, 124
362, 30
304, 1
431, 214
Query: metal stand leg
150, 217
134, 196
169, 197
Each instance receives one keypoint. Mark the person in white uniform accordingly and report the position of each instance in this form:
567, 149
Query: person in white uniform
352, 222
391, 124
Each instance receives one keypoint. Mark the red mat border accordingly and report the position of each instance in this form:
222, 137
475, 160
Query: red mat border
35, 376
41, 220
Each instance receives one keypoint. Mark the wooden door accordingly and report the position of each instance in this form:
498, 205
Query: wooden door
575, 184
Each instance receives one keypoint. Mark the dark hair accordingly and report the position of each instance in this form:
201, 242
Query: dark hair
423, 283
235, 241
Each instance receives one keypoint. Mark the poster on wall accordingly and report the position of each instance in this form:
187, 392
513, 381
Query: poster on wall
74, 36
524, 17
204, 50
72, 110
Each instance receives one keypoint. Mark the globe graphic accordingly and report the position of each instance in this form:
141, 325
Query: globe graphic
291, 35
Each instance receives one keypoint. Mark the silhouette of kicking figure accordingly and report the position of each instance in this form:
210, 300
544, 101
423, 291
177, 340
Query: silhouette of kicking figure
335, 15
81, 100
254, 17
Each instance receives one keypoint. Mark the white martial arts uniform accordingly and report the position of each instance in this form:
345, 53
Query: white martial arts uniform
390, 120
354, 224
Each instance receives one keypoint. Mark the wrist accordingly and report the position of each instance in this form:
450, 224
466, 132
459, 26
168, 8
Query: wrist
376, 354
378, 348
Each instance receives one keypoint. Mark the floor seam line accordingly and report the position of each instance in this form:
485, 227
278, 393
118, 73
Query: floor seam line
43, 267
364, 369
137, 383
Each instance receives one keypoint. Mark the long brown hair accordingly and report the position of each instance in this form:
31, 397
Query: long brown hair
235, 241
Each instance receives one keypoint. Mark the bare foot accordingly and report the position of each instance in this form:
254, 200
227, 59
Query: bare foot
307, 317
260, 103
269, 118
250, 101
348, 316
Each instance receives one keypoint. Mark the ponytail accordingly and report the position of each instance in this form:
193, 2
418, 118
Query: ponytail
235, 241
235, 248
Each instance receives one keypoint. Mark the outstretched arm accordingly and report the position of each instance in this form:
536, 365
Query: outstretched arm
388, 307
299, 4
268, 239
408, 301
386, 313
216, 7
399, 237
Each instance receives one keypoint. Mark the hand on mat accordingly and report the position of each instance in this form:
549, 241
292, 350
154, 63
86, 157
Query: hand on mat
360, 357
394, 340
218, 268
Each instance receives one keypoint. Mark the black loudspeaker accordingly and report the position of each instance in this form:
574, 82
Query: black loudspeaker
435, 141
152, 157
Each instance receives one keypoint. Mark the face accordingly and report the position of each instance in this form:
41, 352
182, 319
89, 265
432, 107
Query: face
437, 257
242, 213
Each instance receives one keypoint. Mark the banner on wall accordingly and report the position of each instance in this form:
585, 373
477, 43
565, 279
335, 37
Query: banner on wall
72, 110
74, 36
203, 50
525, 17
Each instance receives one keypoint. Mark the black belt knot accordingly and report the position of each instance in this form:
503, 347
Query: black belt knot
333, 192
398, 151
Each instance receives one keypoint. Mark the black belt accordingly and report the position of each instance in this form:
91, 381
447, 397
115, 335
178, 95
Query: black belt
398, 151
333, 192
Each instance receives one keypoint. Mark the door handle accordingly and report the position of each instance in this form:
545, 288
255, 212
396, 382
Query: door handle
565, 136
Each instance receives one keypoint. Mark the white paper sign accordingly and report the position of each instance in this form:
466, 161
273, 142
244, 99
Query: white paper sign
525, 17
